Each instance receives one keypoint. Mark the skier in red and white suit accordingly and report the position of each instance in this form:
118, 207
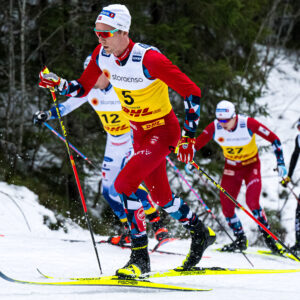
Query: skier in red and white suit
141, 75
236, 136
118, 150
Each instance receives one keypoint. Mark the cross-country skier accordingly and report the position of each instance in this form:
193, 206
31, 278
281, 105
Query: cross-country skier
286, 180
235, 134
118, 151
141, 75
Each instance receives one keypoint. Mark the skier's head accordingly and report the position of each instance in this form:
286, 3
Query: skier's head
115, 15
225, 110
225, 113
87, 61
112, 27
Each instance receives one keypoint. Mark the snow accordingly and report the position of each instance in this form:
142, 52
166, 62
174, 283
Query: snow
27, 243
22, 251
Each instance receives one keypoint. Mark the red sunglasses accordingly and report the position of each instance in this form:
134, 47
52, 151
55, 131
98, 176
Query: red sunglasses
224, 120
105, 33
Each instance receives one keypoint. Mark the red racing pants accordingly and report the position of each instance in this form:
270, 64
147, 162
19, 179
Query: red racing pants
232, 179
151, 142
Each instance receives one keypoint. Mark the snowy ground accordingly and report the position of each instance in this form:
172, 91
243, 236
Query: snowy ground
26, 243
22, 251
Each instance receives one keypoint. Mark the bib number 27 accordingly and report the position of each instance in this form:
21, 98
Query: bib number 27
127, 98
234, 150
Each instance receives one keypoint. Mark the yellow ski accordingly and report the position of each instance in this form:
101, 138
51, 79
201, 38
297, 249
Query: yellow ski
265, 253
196, 271
219, 271
107, 281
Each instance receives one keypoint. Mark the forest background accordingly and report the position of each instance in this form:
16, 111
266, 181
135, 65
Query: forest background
224, 46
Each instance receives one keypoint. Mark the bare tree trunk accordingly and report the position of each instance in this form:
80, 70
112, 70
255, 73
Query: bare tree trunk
23, 97
11, 71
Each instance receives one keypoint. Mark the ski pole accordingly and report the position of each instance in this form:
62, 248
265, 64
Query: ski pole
244, 209
18, 206
45, 70
291, 190
287, 198
208, 210
71, 146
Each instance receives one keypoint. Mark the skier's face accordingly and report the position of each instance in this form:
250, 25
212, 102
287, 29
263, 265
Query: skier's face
114, 44
229, 125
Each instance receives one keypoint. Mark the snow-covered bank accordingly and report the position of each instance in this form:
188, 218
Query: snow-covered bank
22, 251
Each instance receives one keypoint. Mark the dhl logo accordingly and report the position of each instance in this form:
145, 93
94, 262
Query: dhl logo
156, 123
115, 128
240, 157
137, 112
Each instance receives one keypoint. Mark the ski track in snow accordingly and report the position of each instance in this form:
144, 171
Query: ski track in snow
23, 251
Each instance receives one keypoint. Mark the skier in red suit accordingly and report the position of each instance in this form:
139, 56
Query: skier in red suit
140, 76
235, 134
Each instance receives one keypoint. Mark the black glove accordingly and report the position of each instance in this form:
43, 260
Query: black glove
40, 117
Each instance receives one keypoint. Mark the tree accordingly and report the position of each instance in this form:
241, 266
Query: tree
218, 43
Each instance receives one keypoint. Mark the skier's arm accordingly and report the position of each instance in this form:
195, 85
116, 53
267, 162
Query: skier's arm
205, 136
67, 107
64, 108
156, 65
74, 88
201, 141
256, 127
294, 157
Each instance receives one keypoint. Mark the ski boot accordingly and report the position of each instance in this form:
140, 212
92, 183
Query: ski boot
296, 248
276, 248
139, 262
240, 244
122, 239
202, 237
161, 233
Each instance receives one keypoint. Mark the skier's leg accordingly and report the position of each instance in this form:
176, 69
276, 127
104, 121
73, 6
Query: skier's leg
151, 147
296, 247
117, 152
231, 182
253, 189
152, 214
111, 166
202, 236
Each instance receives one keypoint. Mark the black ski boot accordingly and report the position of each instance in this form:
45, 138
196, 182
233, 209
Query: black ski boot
240, 244
296, 248
139, 262
202, 237
276, 248
160, 232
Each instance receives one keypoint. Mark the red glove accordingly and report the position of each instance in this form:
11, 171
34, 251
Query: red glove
51, 80
186, 149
